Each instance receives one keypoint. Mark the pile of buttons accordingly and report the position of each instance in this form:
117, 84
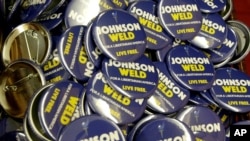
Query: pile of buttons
121, 70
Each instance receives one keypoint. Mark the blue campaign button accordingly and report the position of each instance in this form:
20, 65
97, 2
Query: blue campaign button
190, 67
213, 32
85, 128
182, 19
202, 120
119, 35
211, 6
83, 12
164, 128
146, 13
227, 49
95, 55
59, 105
31, 9
52, 20
108, 102
137, 79
231, 89
169, 96
73, 55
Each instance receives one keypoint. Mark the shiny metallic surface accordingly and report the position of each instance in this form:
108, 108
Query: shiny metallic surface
18, 83
227, 11
29, 41
32, 115
243, 48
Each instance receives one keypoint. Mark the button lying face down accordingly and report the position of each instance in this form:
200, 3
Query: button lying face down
73, 55
106, 101
32, 117
231, 89
119, 35
182, 19
19, 81
136, 79
30, 41
91, 128
213, 32
146, 13
169, 96
190, 67
59, 106
204, 123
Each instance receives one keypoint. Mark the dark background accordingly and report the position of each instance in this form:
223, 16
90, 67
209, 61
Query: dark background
241, 12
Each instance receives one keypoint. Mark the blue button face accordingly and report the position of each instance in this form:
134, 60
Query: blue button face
53, 19
213, 32
211, 6
91, 128
231, 89
202, 120
190, 67
146, 13
164, 129
169, 96
59, 105
32, 9
137, 79
73, 55
182, 19
227, 49
107, 102
119, 35
95, 55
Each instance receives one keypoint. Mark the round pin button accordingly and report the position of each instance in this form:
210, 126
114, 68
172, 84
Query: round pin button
95, 55
213, 32
85, 128
203, 122
29, 10
53, 19
109, 103
227, 49
73, 55
30, 41
231, 89
211, 6
84, 11
146, 13
164, 128
19, 81
53, 69
190, 67
59, 106
169, 96
119, 35
182, 19
136, 79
